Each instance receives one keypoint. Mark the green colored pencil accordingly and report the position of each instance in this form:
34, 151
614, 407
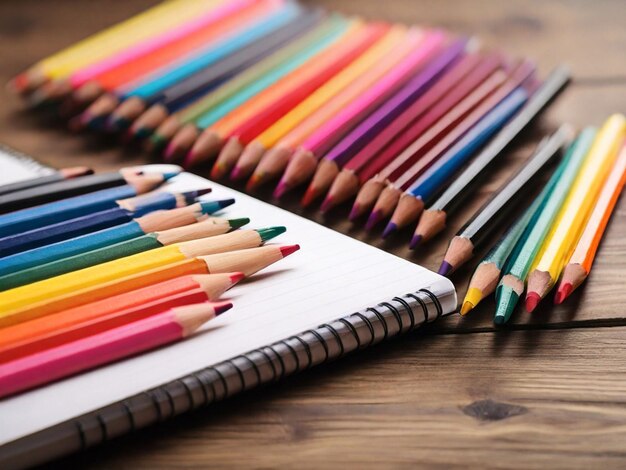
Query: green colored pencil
150, 241
511, 285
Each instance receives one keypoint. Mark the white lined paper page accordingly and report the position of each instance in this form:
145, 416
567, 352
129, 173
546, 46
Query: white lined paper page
330, 277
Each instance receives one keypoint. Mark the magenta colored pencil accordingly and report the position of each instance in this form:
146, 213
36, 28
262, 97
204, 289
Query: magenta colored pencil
152, 44
356, 139
328, 134
102, 348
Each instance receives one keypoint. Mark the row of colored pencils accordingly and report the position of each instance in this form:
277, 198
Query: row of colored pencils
270, 91
555, 240
91, 274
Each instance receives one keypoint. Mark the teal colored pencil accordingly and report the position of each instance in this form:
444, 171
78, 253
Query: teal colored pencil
92, 241
127, 248
511, 285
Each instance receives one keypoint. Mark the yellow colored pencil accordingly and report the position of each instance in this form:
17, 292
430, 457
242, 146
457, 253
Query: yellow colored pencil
52, 288
111, 40
573, 216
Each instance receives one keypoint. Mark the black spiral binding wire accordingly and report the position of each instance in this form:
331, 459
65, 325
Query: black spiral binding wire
325, 343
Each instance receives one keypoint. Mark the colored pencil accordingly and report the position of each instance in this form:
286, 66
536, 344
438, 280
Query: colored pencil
247, 261
58, 211
88, 277
254, 81
17, 337
334, 129
162, 220
60, 175
249, 83
150, 241
97, 72
49, 331
317, 101
232, 34
186, 90
494, 212
242, 125
73, 187
340, 154
511, 286
106, 347
571, 220
126, 211
434, 218
427, 119
150, 90
300, 170
442, 159
487, 274
67, 329
579, 265
107, 42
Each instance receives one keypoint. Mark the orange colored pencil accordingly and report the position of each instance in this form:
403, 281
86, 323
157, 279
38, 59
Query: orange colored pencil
579, 265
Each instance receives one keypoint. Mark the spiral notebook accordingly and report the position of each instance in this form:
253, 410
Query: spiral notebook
335, 296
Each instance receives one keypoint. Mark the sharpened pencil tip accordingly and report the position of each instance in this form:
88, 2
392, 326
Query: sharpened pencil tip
237, 223
142, 133
190, 159
415, 242
236, 277
327, 204
372, 220
466, 307
271, 232
168, 175
532, 300
445, 268
236, 174
222, 307
563, 293
355, 213
309, 196
170, 152
281, 189
225, 203
254, 182
288, 249
506, 302
390, 229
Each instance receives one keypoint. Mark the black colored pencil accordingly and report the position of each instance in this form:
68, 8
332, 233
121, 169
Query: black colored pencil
60, 175
497, 209
434, 218
68, 188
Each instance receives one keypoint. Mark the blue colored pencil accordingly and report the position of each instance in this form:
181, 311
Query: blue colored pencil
93, 241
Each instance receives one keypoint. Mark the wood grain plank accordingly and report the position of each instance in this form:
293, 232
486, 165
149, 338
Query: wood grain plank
519, 400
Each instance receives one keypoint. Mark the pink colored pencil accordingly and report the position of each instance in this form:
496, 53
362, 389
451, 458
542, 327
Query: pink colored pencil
325, 136
127, 340
138, 50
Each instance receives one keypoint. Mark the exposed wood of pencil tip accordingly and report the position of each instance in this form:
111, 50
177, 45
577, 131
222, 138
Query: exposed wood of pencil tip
192, 317
209, 144
129, 109
274, 161
206, 228
214, 285
485, 278
301, 168
145, 183
573, 274
151, 118
248, 160
459, 252
165, 220
430, 224
247, 261
345, 186
237, 240
408, 209
539, 282
368, 195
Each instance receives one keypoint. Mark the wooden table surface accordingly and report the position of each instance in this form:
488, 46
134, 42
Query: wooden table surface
549, 391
